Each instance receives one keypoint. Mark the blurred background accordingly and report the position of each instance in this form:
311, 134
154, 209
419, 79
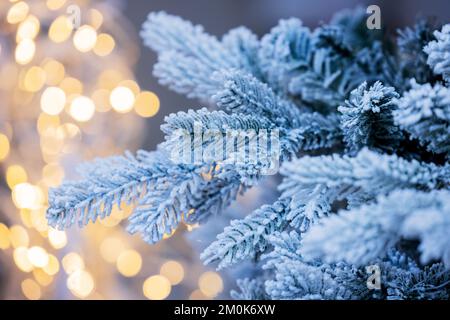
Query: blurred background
72, 94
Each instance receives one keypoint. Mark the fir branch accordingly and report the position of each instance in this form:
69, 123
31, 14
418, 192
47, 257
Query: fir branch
364, 234
243, 239
439, 52
315, 183
424, 112
367, 118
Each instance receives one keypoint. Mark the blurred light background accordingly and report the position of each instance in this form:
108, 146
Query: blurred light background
71, 94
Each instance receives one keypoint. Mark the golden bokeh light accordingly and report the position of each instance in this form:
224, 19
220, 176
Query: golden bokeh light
28, 29
81, 283
85, 38
19, 236
111, 248
156, 287
52, 174
71, 86
210, 283
25, 51
130, 84
42, 277
147, 104
57, 238
54, 71
55, 4
31, 289
197, 295
95, 18
122, 99
27, 196
72, 262
38, 256
52, 266
173, 271
60, 29
17, 12
47, 122
4, 146
15, 174
104, 45
34, 79
20, 256
4, 237
129, 263
82, 109
53, 100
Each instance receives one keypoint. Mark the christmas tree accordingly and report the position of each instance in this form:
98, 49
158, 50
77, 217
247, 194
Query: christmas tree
361, 122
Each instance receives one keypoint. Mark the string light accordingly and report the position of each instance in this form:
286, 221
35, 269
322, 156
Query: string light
156, 287
15, 174
4, 237
71, 86
210, 284
104, 45
17, 12
42, 277
27, 196
4, 146
129, 263
57, 238
37, 256
31, 289
34, 79
25, 51
81, 283
19, 236
28, 29
173, 271
82, 109
85, 38
72, 262
54, 71
60, 29
55, 4
20, 256
53, 100
122, 99
52, 266
111, 248
147, 104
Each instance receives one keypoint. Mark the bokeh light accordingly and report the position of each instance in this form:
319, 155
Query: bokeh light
104, 45
173, 271
122, 99
147, 104
31, 289
4, 146
85, 38
129, 263
156, 287
82, 109
60, 30
17, 12
25, 51
53, 100
210, 283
